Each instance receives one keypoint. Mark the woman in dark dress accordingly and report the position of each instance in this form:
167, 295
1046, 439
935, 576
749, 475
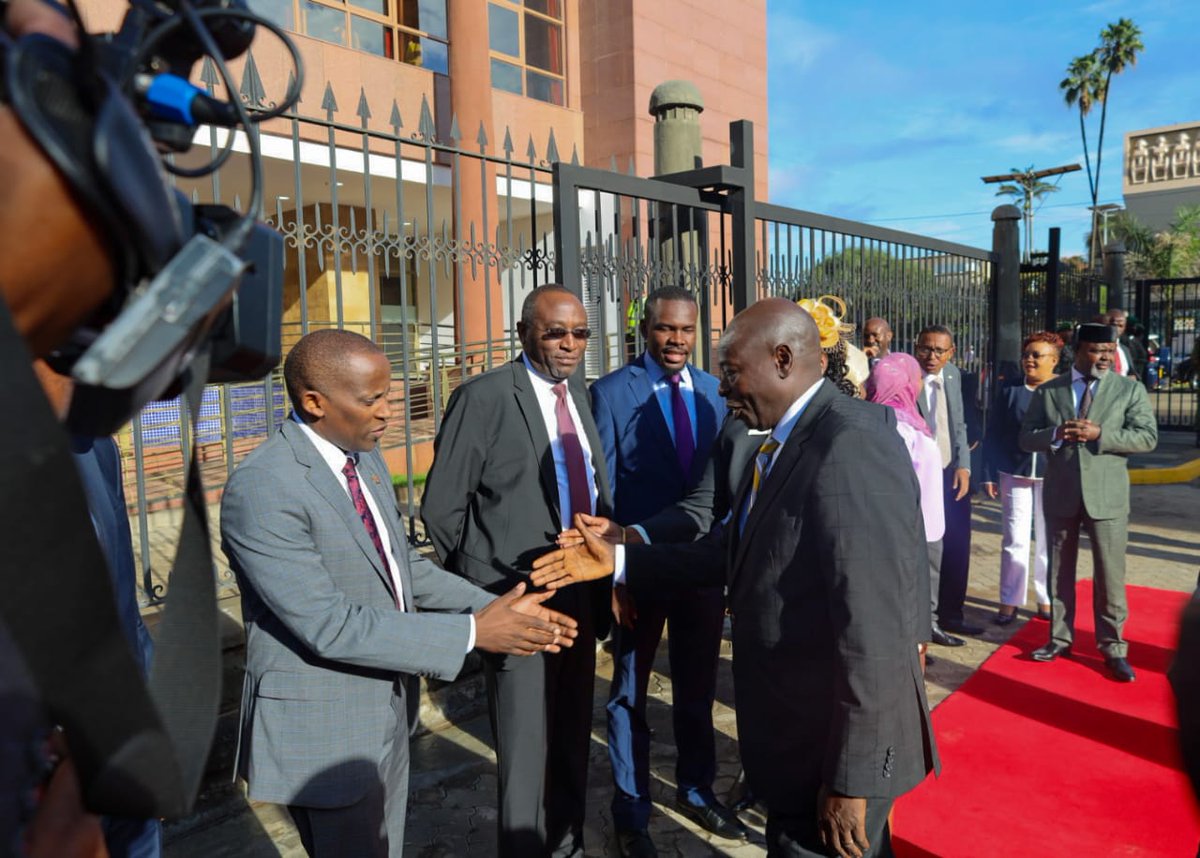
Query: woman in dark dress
1016, 477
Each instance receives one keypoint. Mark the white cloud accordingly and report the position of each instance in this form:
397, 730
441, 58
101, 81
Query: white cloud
796, 44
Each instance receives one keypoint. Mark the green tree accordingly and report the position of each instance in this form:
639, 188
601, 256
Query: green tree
1089, 81
1029, 189
1173, 252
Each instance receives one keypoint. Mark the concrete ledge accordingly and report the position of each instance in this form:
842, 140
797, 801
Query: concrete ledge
1184, 473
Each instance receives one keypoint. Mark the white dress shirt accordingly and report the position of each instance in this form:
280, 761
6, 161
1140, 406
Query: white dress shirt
335, 457
543, 388
781, 432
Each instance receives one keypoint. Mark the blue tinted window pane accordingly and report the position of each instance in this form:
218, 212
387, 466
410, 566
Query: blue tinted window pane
504, 34
372, 37
274, 11
506, 76
541, 87
322, 22
428, 16
379, 7
427, 53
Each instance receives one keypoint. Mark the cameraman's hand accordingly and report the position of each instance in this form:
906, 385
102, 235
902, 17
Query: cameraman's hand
56, 269
61, 828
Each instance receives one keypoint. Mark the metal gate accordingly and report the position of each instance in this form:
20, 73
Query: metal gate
618, 237
1166, 313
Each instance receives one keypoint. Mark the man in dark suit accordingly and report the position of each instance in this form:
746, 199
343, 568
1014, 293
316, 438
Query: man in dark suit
1131, 357
1087, 423
942, 407
516, 456
339, 610
657, 418
823, 556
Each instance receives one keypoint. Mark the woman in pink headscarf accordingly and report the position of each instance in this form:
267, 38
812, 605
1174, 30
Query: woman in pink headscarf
896, 381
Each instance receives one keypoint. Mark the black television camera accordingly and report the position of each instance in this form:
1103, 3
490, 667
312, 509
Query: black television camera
197, 299
197, 284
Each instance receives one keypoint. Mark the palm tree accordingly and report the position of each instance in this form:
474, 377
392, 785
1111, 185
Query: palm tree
1089, 80
1080, 87
1028, 189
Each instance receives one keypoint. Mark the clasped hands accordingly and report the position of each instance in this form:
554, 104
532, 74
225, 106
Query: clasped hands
1077, 431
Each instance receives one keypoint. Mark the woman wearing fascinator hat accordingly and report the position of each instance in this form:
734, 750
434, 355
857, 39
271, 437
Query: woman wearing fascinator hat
846, 366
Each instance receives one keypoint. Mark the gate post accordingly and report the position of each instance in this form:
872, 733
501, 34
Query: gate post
1114, 274
741, 208
1052, 254
1006, 294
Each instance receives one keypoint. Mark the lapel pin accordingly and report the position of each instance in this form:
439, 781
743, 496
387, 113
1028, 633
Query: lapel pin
375, 479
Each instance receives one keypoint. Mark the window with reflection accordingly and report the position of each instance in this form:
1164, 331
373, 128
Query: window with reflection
411, 31
526, 46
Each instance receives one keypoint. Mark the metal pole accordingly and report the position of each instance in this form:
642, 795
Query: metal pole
1006, 294
1052, 255
741, 209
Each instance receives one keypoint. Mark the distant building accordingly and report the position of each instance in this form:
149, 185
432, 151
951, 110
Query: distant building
1162, 172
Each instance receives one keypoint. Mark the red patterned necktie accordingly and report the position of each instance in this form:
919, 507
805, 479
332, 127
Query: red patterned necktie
577, 481
364, 512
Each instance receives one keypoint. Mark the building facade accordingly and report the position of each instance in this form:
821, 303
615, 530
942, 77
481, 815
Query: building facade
1162, 172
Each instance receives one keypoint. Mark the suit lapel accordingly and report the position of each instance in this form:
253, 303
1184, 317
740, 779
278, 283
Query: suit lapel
379, 484
641, 389
324, 483
706, 424
789, 455
579, 395
535, 424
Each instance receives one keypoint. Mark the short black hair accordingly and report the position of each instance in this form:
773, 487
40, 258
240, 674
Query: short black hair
936, 329
527, 308
320, 355
665, 293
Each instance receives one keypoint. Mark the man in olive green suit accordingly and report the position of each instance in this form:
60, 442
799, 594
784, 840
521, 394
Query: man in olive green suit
1087, 422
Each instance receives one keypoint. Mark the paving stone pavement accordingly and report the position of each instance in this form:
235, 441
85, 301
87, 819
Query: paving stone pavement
452, 804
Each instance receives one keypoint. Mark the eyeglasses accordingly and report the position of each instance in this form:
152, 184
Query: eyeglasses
926, 351
1037, 355
554, 334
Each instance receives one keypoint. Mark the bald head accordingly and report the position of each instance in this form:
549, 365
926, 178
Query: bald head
876, 337
321, 361
769, 355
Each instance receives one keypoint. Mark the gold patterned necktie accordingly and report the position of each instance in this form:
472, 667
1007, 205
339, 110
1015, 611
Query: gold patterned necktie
761, 462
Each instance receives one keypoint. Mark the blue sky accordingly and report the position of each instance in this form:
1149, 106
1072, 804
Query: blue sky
890, 112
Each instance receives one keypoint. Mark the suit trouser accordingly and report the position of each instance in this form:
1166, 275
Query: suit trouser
1109, 608
372, 827
935, 565
696, 620
793, 833
956, 553
1021, 506
541, 713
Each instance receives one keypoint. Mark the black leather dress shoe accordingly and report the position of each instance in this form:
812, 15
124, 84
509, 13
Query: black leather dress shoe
715, 817
940, 638
635, 843
1004, 619
1051, 651
961, 628
1119, 669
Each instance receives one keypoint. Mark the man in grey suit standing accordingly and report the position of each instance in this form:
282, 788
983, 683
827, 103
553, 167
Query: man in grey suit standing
950, 558
340, 614
516, 456
824, 562
1087, 422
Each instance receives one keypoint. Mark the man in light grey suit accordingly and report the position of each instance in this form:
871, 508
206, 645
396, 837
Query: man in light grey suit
1087, 422
950, 558
339, 611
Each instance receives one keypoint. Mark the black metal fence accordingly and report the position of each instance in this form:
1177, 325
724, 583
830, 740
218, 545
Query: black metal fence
1165, 315
429, 244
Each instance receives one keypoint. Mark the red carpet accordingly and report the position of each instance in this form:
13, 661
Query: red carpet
1056, 759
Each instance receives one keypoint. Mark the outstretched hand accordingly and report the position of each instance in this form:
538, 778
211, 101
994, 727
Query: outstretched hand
518, 624
605, 528
590, 560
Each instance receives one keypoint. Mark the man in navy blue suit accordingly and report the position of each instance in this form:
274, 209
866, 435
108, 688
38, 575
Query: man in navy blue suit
657, 418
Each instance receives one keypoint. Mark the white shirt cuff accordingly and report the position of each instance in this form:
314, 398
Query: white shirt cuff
618, 565
641, 532
471, 636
